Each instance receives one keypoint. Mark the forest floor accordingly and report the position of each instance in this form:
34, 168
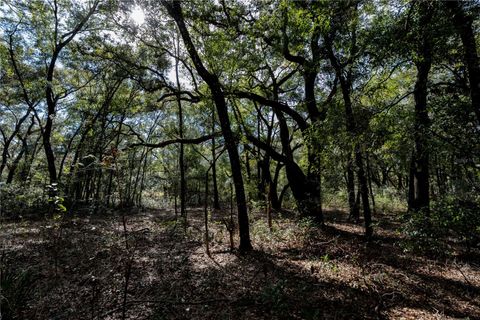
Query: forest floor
80, 268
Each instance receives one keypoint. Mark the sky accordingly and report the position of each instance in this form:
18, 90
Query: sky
137, 15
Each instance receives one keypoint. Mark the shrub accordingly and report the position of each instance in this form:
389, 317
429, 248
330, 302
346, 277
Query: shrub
389, 200
15, 286
19, 200
460, 219
448, 219
273, 296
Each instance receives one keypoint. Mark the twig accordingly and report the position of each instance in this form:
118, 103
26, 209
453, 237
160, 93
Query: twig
181, 303
463, 274
165, 302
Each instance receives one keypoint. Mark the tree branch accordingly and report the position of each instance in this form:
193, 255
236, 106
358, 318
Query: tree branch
276, 105
268, 149
177, 140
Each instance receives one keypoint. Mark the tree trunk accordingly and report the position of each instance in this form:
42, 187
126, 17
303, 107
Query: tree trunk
16, 161
276, 203
369, 178
8, 141
216, 201
114, 159
175, 10
420, 164
362, 180
243, 223
68, 148
50, 95
27, 168
181, 158
205, 216
304, 188
51, 111
346, 79
13, 167
19, 123
463, 23
354, 209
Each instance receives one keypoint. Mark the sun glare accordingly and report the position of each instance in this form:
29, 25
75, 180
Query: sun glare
137, 15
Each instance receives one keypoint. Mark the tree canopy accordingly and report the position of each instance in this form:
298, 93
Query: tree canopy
368, 106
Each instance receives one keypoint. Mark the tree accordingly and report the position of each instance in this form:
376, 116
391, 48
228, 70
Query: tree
419, 176
175, 11
50, 28
463, 24
345, 76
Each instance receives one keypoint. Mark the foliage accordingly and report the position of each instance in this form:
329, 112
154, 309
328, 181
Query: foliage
450, 220
316, 93
274, 298
18, 201
15, 290
390, 200
294, 233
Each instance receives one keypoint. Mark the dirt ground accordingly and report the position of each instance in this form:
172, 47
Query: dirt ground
88, 268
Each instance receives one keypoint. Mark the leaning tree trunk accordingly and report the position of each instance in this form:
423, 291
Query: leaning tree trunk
245, 244
274, 198
175, 11
346, 79
8, 141
305, 188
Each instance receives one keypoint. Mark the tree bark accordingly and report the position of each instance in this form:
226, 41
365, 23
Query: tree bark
302, 188
463, 23
51, 110
51, 98
216, 201
354, 209
16, 161
276, 203
114, 158
8, 141
420, 160
181, 158
18, 124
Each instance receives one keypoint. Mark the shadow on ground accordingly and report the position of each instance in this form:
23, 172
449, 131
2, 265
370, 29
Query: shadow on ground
85, 268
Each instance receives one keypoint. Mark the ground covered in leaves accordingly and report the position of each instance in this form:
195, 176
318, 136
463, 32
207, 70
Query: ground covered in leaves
88, 267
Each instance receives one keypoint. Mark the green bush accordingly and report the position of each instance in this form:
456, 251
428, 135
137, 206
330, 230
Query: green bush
17, 200
389, 200
15, 288
273, 296
421, 234
460, 219
454, 219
